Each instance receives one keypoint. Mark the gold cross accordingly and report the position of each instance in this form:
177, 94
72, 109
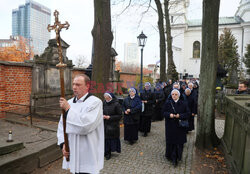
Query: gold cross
57, 27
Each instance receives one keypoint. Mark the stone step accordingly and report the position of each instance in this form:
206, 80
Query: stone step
26, 160
8, 147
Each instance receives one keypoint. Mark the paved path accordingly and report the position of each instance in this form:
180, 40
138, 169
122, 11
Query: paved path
148, 155
144, 157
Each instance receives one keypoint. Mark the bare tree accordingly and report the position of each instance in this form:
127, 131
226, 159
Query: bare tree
171, 71
162, 41
102, 38
205, 136
81, 61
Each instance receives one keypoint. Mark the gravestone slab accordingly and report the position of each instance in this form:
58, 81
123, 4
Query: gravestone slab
8, 147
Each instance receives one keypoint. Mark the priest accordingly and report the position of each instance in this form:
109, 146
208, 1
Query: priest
85, 129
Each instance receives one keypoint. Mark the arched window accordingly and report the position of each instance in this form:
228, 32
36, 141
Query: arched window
196, 49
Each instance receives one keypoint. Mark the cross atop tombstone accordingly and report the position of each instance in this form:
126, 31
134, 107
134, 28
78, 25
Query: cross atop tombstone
57, 27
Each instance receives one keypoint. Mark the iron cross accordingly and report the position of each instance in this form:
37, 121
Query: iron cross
57, 27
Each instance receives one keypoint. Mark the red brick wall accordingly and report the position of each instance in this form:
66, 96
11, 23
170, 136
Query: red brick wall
15, 86
128, 79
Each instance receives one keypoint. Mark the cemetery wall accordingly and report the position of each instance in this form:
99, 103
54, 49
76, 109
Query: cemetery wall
15, 85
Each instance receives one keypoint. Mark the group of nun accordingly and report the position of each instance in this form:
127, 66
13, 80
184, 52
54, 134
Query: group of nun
174, 102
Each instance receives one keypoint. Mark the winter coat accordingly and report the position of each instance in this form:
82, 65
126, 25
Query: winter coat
242, 92
112, 125
167, 90
149, 97
135, 107
174, 133
159, 95
191, 103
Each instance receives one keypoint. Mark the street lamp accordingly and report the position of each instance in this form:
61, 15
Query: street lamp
142, 38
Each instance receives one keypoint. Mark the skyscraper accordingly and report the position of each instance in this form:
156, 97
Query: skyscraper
131, 53
31, 21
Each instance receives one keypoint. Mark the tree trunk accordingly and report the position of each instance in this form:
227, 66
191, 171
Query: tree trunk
102, 39
162, 41
171, 72
205, 136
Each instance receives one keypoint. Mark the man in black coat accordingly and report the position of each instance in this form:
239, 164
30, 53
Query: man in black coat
147, 97
167, 89
159, 101
242, 88
112, 113
192, 107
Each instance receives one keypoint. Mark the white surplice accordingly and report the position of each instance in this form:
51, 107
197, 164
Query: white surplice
85, 129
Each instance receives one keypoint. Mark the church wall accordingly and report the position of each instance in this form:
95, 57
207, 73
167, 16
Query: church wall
246, 37
178, 45
246, 16
183, 57
191, 65
15, 86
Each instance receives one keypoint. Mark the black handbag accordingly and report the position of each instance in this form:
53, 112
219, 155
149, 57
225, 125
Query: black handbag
182, 123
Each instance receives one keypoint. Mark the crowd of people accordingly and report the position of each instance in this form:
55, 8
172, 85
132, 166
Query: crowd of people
93, 126
172, 101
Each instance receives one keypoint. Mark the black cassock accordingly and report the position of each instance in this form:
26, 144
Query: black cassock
192, 108
145, 118
112, 125
175, 135
160, 97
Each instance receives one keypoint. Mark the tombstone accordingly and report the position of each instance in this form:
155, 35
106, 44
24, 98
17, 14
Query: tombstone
46, 77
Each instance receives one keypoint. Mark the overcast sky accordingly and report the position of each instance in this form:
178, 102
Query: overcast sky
80, 15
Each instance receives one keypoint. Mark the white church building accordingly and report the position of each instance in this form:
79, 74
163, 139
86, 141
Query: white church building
187, 35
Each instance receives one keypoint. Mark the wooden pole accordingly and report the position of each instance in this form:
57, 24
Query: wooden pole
57, 27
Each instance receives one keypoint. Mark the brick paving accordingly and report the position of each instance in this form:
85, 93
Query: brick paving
148, 155
144, 157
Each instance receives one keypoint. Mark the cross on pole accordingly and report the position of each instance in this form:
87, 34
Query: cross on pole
57, 27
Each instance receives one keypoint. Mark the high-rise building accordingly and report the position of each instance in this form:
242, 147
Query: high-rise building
131, 53
31, 21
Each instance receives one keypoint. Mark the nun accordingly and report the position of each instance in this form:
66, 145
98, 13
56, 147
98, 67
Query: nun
192, 108
159, 101
131, 107
112, 113
175, 110
147, 98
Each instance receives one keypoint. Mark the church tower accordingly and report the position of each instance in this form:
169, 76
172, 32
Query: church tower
244, 10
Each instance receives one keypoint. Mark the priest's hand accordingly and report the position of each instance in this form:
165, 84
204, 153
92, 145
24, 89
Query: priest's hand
64, 104
65, 153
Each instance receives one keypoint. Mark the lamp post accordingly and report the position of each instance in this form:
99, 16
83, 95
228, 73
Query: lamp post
142, 38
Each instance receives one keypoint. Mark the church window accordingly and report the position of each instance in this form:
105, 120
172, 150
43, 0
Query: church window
196, 49
172, 19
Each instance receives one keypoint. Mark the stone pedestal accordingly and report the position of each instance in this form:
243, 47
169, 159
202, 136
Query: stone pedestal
46, 80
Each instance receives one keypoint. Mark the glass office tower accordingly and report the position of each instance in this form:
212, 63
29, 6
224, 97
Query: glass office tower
31, 21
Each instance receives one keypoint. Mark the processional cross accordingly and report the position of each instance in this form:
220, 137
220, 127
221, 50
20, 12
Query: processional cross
57, 27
